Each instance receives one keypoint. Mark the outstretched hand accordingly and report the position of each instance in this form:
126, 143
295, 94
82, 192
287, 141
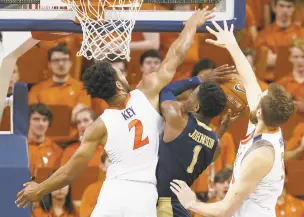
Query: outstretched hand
28, 195
199, 17
218, 74
183, 192
224, 36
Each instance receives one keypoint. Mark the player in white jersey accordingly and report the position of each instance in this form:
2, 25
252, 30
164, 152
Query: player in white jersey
258, 175
129, 131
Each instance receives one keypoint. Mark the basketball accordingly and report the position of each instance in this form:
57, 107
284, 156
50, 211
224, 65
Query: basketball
235, 93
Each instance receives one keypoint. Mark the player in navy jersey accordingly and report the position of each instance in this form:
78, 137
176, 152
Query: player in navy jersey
189, 145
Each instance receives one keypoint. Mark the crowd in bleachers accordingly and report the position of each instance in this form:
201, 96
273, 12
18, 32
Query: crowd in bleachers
60, 109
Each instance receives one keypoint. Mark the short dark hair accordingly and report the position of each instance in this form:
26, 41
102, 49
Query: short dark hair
100, 80
277, 106
222, 175
290, 1
112, 59
202, 64
150, 53
41, 109
212, 99
58, 48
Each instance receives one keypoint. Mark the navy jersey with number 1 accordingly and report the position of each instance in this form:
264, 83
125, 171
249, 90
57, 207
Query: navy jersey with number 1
184, 158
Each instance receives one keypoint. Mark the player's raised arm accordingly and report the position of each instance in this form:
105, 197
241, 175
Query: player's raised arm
254, 168
95, 135
226, 39
152, 85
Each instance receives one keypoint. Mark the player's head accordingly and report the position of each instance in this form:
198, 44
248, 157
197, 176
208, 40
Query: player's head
150, 61
203, 66
104, 81
274, 107
284, 9
40, 118
221, 182
105, 162
59, 58
297, 56
83, 119
208, 100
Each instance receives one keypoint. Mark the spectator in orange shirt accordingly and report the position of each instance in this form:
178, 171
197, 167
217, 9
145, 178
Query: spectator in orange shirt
287, 205
61, 88
43, 152
57, 204
220, 187
276, 36
295, 146
294, 83
99, 105
90, 195
83, 119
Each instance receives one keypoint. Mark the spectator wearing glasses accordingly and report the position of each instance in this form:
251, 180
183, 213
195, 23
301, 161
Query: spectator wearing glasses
61, 89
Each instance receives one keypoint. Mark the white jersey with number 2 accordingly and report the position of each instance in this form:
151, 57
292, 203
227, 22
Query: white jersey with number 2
133, 139
262, 201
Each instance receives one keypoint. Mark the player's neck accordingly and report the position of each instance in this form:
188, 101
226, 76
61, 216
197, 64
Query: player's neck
57, 205
118, 101
283, 23
260, 128
201, 119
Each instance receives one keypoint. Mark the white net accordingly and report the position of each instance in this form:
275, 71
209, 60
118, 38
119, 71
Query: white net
105, 32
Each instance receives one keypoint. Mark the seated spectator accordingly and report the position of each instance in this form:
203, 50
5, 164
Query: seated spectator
57, 204
43, 152
287, 205
294, 83
83, 119
220, 187
276, 36
295, 145
90, 195
99, 105
61, 89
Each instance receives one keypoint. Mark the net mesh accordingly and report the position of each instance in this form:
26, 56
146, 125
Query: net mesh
105, 31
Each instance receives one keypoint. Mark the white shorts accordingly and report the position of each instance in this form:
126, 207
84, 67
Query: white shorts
121, 198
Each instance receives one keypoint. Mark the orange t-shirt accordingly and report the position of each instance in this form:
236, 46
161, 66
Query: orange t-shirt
89, 199
226, 158
71, 149
292, 207
46, 154
275, 39
39, 212
293, 87
295, 141
99, 105
68, 94
257, 7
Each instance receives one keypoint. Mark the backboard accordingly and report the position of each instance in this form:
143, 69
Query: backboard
51, 15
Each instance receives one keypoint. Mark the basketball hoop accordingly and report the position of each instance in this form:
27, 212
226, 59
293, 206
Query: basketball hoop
104, 34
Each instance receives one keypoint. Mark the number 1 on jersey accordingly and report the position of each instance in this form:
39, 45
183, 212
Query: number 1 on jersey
196, 151
138, 141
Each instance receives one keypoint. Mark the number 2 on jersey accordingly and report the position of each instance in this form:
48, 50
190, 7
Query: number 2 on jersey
138, 141
196, 152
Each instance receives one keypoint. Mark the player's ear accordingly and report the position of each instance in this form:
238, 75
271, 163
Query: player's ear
197, 107
259, 114
119, 85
